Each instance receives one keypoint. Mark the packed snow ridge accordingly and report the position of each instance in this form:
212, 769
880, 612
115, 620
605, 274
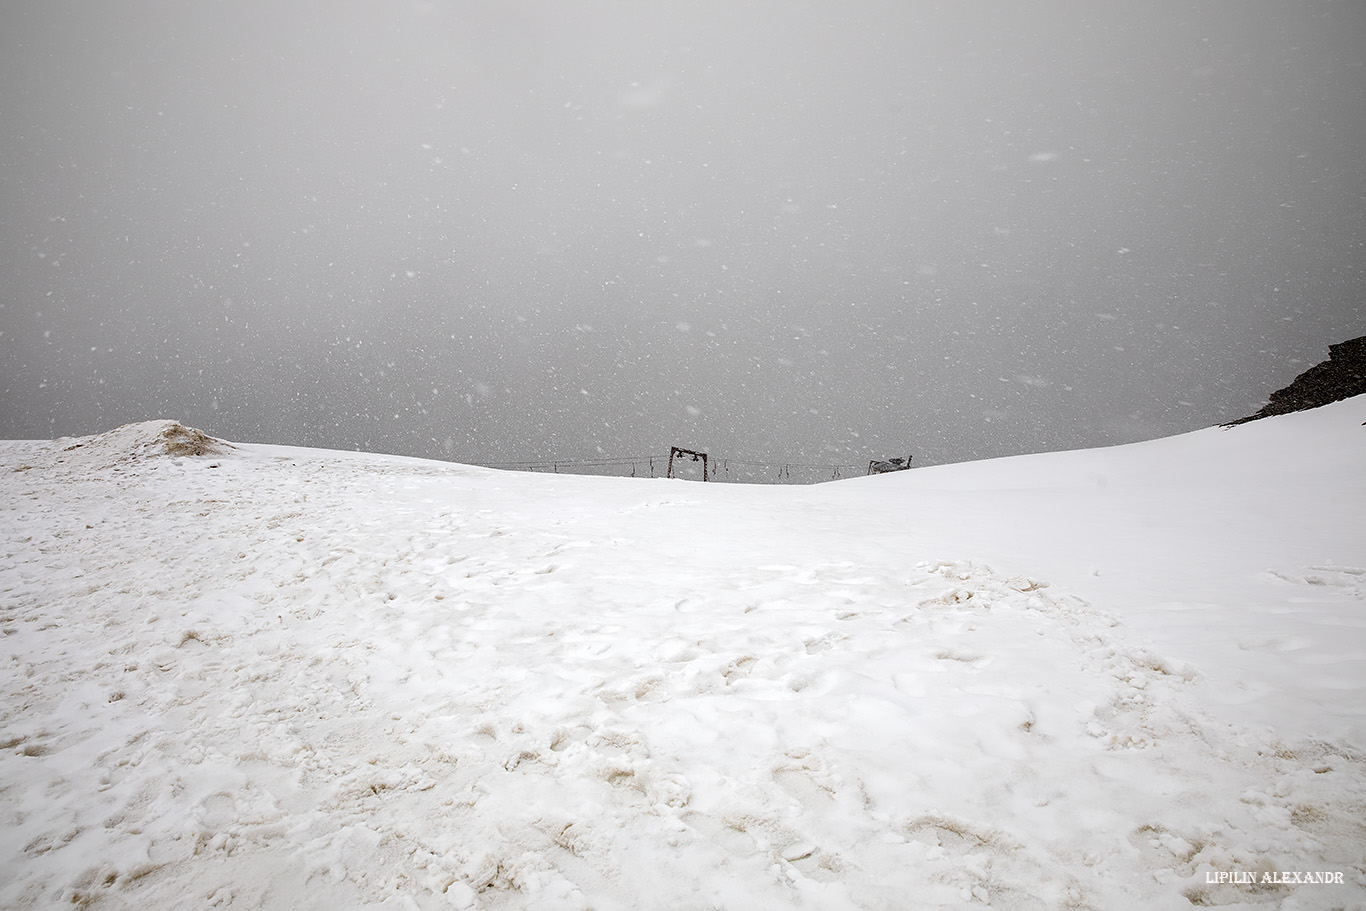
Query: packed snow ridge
251, 676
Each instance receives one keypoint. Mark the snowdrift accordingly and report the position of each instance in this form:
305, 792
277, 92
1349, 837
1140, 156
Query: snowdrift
124, 447
248, 676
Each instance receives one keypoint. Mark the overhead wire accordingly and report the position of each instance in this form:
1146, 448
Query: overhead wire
782, 470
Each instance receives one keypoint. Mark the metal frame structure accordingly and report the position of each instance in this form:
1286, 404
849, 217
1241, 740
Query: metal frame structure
695, 456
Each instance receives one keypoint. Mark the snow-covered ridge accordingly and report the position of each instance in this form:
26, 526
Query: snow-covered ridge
266, 677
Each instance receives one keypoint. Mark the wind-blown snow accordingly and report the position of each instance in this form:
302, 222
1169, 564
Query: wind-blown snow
267, 677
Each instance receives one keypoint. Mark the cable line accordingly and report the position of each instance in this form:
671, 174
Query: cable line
736, 470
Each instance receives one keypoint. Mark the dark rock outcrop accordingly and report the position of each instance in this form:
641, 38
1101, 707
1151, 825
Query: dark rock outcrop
1342, 376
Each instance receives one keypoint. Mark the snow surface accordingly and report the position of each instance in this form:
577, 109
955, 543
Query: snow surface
268, 677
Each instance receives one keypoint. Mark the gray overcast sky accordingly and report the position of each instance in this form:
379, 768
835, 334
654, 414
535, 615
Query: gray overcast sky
785, 231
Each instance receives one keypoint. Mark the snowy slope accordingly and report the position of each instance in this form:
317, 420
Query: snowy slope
267, 677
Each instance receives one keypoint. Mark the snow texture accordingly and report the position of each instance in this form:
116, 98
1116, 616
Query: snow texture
250, 676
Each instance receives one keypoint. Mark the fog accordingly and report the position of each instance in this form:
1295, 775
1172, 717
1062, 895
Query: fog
779, 231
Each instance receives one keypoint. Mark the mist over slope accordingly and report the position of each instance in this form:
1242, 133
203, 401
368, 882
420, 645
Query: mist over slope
270, 677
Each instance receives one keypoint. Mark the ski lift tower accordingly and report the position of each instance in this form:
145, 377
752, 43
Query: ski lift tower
687, 453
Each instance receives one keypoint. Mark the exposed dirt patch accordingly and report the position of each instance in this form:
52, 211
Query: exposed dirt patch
180, 440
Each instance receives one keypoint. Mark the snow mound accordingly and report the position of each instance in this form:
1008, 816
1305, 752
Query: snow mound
134, 443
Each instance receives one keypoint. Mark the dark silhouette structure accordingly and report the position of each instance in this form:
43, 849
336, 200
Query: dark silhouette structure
882, 466
687, 453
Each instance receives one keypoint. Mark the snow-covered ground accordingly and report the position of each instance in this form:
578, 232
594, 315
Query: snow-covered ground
284, 678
